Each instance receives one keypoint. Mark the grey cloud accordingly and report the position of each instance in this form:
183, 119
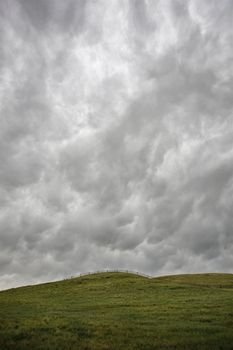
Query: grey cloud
51, 15
115, 137
141, 20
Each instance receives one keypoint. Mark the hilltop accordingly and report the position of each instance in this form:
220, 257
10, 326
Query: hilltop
115, 310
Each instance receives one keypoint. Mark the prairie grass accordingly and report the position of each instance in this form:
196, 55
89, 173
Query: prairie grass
120, 311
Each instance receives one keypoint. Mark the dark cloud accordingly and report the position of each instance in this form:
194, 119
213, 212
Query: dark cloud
116, 132
51, 15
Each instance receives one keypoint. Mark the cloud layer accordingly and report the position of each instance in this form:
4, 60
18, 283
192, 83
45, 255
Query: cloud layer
116, 137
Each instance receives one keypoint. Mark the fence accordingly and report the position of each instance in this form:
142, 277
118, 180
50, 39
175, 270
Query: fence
107, 271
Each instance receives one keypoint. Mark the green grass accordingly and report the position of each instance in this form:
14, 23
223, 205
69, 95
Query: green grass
120, 311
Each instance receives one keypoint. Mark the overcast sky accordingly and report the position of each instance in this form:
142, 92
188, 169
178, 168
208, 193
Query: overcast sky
116, 137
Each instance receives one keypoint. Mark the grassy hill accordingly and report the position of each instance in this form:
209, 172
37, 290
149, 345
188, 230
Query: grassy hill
120, 311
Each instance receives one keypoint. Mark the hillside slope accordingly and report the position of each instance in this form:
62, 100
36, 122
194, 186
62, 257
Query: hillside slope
120, 311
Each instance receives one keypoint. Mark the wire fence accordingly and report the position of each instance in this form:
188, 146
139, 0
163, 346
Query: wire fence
110, 271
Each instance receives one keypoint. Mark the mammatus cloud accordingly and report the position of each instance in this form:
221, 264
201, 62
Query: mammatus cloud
116, 137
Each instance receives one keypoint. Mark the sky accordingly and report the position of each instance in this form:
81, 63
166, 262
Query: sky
116, 137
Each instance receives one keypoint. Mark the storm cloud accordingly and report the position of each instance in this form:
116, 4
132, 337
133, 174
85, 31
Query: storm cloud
116, 137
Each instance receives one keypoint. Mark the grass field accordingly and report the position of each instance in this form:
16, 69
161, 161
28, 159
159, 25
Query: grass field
120, 311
